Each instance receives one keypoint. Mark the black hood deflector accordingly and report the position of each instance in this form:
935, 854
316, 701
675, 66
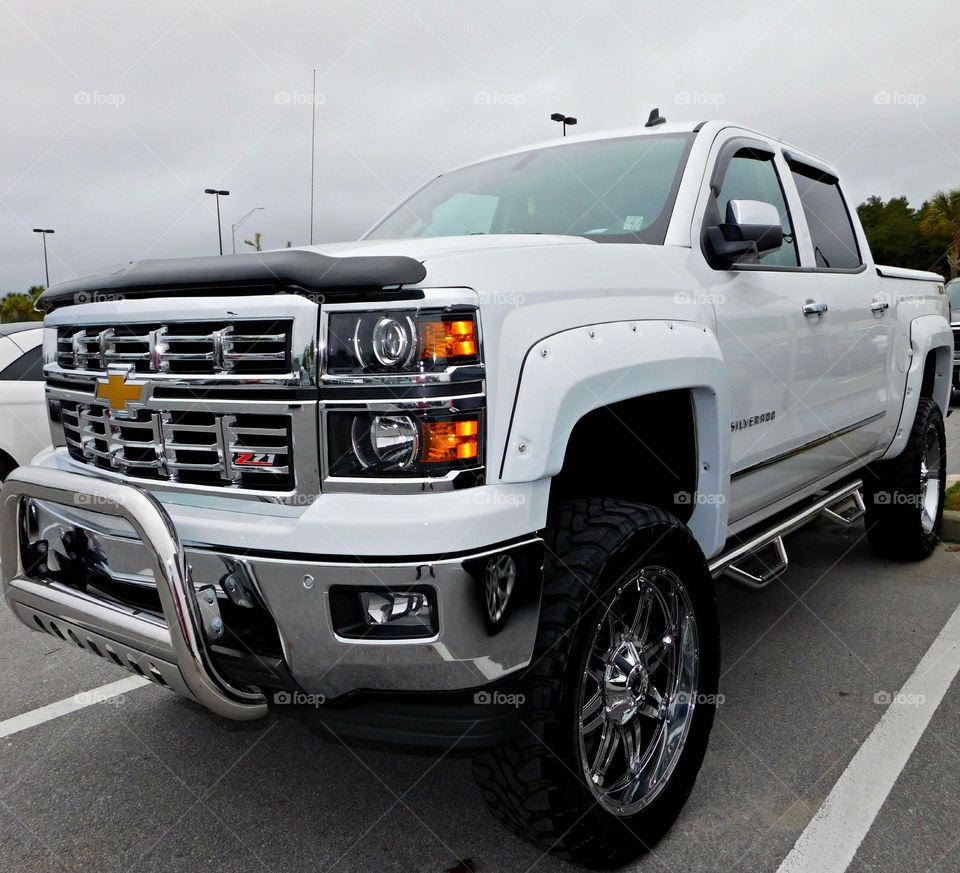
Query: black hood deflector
289, 272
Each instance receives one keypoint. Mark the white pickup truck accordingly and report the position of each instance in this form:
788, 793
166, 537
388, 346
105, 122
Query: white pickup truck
468, 481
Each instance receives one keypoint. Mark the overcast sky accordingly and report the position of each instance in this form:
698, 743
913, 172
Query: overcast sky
114, 116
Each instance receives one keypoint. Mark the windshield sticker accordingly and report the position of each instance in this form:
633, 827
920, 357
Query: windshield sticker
633, 223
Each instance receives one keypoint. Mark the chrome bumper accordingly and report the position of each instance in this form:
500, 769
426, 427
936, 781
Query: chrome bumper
136, 534
174, 652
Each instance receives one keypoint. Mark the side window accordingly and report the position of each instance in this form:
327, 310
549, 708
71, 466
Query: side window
752, 177
831, 229
27, 368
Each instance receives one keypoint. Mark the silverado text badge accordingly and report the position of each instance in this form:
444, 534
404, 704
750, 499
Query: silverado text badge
762, 418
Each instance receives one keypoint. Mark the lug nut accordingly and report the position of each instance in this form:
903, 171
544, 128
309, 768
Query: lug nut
217, 625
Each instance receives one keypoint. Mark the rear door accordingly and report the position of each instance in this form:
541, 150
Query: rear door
854, 330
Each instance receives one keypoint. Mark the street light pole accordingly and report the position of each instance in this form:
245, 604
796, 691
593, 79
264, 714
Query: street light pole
219, 193
43, 231
233, 227
564, 120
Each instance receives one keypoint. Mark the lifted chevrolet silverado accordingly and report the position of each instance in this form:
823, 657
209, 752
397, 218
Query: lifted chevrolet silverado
468, 481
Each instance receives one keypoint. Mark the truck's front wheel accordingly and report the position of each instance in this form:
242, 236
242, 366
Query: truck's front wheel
622, 689
904, 496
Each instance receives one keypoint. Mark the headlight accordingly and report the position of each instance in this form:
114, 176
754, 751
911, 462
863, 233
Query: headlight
401, 341
422, 445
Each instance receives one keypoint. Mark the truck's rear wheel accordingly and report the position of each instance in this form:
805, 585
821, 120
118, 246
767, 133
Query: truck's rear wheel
622, 689
904, 496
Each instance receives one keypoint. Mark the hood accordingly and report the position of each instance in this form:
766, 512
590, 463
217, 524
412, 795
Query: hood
424, 248
354, 268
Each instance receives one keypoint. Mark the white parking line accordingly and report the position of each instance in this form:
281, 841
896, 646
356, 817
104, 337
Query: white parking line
834, 834
70, 704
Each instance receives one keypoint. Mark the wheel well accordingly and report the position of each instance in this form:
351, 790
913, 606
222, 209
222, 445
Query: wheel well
7, 465
643, 449
937, 381
929, 374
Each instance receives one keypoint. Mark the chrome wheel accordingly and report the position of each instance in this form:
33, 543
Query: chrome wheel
638, 691
930, 479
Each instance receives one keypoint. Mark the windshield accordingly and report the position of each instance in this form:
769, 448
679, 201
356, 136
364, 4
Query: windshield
953, 291
619, 190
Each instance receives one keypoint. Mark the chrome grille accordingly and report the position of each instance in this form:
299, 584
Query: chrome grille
190, 348
244, 450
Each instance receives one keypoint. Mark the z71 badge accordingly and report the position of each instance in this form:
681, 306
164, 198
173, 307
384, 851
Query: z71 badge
249, 459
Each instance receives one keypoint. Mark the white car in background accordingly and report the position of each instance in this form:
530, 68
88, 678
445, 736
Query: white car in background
24, 430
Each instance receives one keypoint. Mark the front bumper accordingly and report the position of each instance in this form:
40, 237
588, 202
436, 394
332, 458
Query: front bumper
172, 646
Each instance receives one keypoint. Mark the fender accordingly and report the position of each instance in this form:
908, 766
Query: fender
571, 373
928, 333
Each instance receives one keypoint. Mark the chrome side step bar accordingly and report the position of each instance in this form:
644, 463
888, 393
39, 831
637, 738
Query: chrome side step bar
844, 506
173, 652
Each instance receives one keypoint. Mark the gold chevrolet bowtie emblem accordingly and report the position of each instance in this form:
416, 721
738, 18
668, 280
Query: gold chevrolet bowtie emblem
118, 392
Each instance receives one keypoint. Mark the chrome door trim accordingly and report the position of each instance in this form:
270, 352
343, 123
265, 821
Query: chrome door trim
813, 444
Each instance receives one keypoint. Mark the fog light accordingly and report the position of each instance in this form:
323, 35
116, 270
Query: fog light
409, 609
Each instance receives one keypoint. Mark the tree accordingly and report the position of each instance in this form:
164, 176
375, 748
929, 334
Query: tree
256, 243
941, 217
17, 306
891, 228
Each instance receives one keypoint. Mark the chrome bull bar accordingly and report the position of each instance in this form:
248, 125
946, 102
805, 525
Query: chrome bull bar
175, 650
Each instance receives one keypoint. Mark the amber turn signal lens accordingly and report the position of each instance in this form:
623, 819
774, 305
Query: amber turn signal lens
448, 441
448, 339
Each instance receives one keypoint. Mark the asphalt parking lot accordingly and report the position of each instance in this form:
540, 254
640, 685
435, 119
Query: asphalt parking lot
147, 782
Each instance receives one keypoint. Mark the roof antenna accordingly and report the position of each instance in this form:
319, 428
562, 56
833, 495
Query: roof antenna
655, 119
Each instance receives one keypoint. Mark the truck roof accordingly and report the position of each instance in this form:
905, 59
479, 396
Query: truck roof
708, 128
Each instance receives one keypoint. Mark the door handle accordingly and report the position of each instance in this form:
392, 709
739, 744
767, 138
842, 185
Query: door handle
811, 308
878, 307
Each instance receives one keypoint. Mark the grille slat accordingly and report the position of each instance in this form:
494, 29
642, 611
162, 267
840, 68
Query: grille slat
238, 454
255, 347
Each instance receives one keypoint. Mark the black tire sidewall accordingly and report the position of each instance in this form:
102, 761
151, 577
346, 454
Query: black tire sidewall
893, 493
682, 556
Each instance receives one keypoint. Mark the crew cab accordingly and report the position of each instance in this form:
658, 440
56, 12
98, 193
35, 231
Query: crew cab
469, 481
